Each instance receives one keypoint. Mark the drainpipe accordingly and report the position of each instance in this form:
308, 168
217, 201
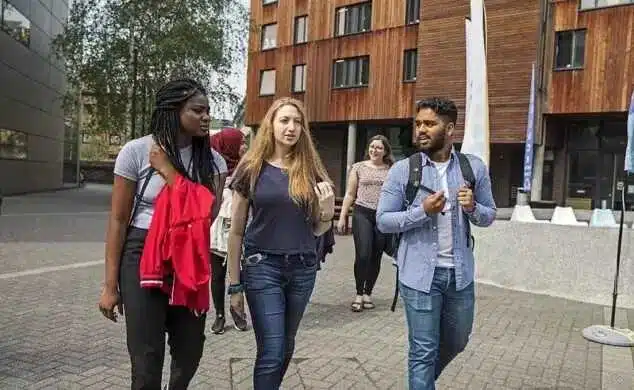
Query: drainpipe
541, 98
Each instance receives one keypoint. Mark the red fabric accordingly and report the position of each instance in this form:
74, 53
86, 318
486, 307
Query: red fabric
227, 142
177, 245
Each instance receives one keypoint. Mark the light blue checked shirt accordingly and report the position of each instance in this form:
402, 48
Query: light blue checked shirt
418, 250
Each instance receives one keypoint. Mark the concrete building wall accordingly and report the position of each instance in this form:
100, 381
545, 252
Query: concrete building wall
31, 88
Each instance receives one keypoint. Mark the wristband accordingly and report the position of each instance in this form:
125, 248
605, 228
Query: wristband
235, 289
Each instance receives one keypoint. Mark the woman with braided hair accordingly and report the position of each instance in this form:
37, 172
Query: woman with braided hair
178, 146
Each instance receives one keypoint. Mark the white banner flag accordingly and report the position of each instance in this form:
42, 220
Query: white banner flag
476, 132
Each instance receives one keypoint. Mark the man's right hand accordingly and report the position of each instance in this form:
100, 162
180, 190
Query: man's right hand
434, 203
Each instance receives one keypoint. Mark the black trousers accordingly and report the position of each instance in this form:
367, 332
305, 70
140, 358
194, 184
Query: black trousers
218, 276
148, 318
369, 243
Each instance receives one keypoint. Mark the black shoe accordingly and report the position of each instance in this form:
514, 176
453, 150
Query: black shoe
239, 322
219, 325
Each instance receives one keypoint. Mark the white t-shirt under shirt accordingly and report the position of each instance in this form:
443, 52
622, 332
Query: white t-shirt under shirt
133, 163
445, 236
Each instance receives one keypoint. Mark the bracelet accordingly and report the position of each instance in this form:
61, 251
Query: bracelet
235, 289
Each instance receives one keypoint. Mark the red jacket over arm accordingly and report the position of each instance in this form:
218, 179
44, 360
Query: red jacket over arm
176, 251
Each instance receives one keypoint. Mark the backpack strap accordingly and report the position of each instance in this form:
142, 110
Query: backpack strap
415, 176
469, 177
138, 197
467, 170
413, 182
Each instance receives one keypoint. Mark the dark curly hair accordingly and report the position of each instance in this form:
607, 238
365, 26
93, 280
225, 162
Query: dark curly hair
165, 126
443, 107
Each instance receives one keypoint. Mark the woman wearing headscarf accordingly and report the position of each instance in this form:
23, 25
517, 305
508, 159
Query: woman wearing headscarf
231, 144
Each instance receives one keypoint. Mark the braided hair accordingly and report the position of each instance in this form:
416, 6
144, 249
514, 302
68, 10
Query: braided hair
165, 127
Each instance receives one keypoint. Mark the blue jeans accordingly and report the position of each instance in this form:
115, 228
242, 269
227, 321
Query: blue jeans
278, 288
439, 324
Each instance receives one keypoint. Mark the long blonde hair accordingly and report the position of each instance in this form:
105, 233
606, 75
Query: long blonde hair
303, 163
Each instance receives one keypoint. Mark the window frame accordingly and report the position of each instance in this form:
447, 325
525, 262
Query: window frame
263, 34
573, 50
262, 72
19, 149
410, 6
407, 52
347, 26
293, 76
295, 35
26, 41
596, 6
359, 62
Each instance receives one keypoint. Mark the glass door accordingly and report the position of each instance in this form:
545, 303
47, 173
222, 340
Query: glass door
583, 179
606, 183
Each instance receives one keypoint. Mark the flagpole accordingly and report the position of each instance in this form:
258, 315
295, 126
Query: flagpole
615, 292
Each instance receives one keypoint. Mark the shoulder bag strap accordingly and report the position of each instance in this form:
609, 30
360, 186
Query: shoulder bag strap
138, 197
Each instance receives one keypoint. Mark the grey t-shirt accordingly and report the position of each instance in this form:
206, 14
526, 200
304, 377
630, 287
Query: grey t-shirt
133, 163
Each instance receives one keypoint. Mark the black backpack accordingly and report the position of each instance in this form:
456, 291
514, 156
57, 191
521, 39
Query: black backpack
413, 183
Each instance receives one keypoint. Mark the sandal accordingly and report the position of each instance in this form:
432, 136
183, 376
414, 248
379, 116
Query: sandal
368, 305
356, 306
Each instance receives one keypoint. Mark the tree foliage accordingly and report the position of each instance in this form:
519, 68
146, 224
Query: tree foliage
120, 52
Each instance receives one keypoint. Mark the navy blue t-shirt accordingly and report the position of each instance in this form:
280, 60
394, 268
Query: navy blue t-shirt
279, 225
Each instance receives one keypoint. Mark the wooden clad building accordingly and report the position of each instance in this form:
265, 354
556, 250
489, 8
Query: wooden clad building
588, 84
359, 66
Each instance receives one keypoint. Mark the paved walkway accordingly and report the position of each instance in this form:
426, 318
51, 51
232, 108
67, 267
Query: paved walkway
53, 337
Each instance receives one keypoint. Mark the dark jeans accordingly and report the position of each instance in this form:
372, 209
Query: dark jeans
278, 288
218, 276
439, 325
148, 317
369, 243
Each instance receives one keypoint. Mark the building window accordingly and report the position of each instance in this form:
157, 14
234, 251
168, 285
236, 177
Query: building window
570, 49
267, 82
410, 60
14, 23
351, 72
267, 2
353, 19
412, 11
269, 36
13, 144
301, 29
299, 78
591, 4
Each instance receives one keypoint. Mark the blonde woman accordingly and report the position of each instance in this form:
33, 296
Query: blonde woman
281, 185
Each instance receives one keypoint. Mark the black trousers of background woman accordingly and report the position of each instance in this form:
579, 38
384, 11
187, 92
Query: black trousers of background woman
218, 275
369, 243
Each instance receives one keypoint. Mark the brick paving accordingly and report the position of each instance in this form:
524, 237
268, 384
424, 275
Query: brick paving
53, 337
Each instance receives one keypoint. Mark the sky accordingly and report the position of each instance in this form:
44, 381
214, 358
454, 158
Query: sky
238, 81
